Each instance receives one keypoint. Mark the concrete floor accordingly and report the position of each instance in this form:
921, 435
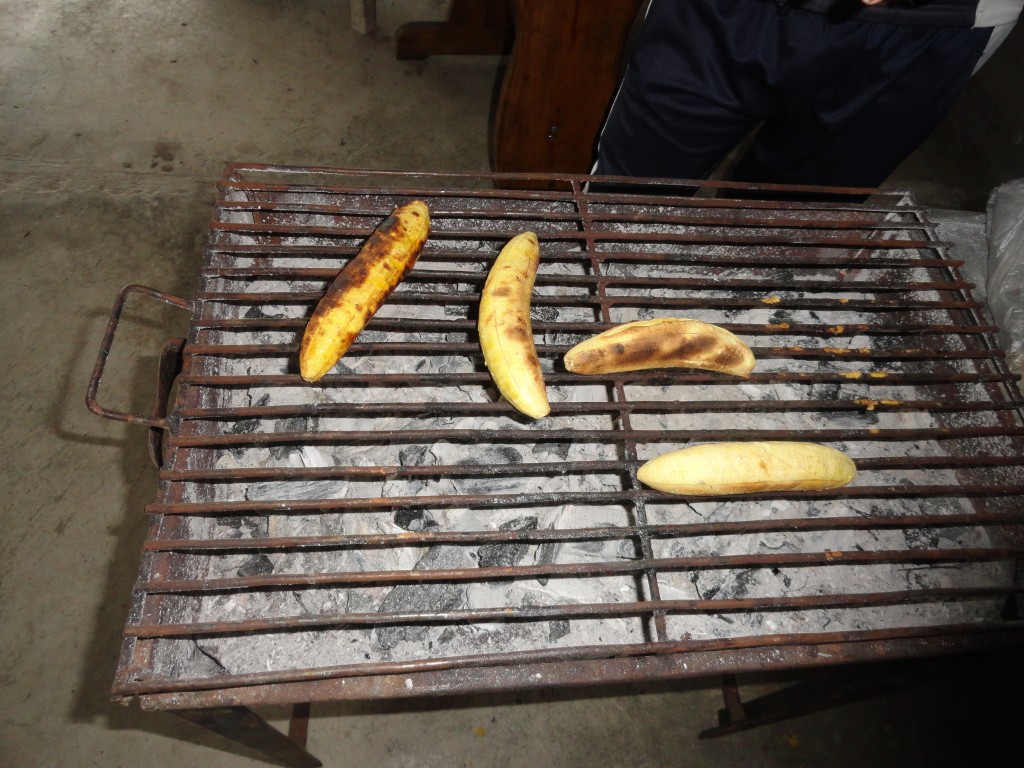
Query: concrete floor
115, 118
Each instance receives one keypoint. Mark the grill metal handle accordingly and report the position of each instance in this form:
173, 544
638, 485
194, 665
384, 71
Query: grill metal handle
158, 419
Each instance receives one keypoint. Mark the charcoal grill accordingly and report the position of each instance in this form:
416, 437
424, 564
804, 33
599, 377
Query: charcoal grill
398, 530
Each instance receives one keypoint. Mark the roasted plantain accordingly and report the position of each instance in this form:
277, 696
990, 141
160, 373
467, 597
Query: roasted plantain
361, 287
662, 343
506, 337
713, 469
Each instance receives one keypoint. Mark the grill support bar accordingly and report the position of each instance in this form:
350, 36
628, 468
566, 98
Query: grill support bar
629, 446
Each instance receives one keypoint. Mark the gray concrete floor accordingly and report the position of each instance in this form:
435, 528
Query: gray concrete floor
115, 118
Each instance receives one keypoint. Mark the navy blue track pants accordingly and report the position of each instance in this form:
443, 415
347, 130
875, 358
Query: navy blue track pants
839, 102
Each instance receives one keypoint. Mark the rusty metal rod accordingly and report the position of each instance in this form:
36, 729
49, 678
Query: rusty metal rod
413, 325
541, 536
477, 501
472, 349
583, 569
354, 410
572, 610
401, 296
455, 184
529, 469
609, 436
775, 256
354, 207
159, 684
812, 239
756, 215
449, 277
859, 378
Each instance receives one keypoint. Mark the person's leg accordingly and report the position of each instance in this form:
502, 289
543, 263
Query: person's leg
860, 100
693, 89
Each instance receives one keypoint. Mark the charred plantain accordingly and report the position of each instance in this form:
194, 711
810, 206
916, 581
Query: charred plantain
361, 287
662, 343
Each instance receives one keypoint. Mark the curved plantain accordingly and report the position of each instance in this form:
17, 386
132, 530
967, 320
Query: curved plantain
506, 337
361, 287
662, 343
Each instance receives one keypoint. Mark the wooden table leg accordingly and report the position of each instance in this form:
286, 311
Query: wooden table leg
364, 16
242, 725
474, 27
560, 81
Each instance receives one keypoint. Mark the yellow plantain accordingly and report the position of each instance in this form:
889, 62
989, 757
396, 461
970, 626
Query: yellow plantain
663, 343
361, 287
714, 469
506, 337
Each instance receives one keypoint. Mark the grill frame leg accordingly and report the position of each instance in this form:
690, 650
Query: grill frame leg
822, 691
243, 726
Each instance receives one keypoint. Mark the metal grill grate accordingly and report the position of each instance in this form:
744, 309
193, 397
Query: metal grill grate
398, 518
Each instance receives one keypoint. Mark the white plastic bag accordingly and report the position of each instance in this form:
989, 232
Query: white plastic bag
1006, 268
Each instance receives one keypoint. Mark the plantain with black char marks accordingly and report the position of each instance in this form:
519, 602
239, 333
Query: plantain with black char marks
506, 337
361, 287
668, 342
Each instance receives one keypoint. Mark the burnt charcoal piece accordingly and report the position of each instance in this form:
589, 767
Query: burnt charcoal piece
561, 450
257, 312
236, 527
407, 518
505, 555
248, 426
243, 427
257, 565
446, 636
412, 455
558, 628
546, 554
429, 597
489, 457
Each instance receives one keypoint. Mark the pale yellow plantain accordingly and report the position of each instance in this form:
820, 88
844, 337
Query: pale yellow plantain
506, 337
662, 343
713, 469
361, 287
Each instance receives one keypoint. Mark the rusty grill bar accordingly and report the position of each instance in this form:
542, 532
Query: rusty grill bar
398, 518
